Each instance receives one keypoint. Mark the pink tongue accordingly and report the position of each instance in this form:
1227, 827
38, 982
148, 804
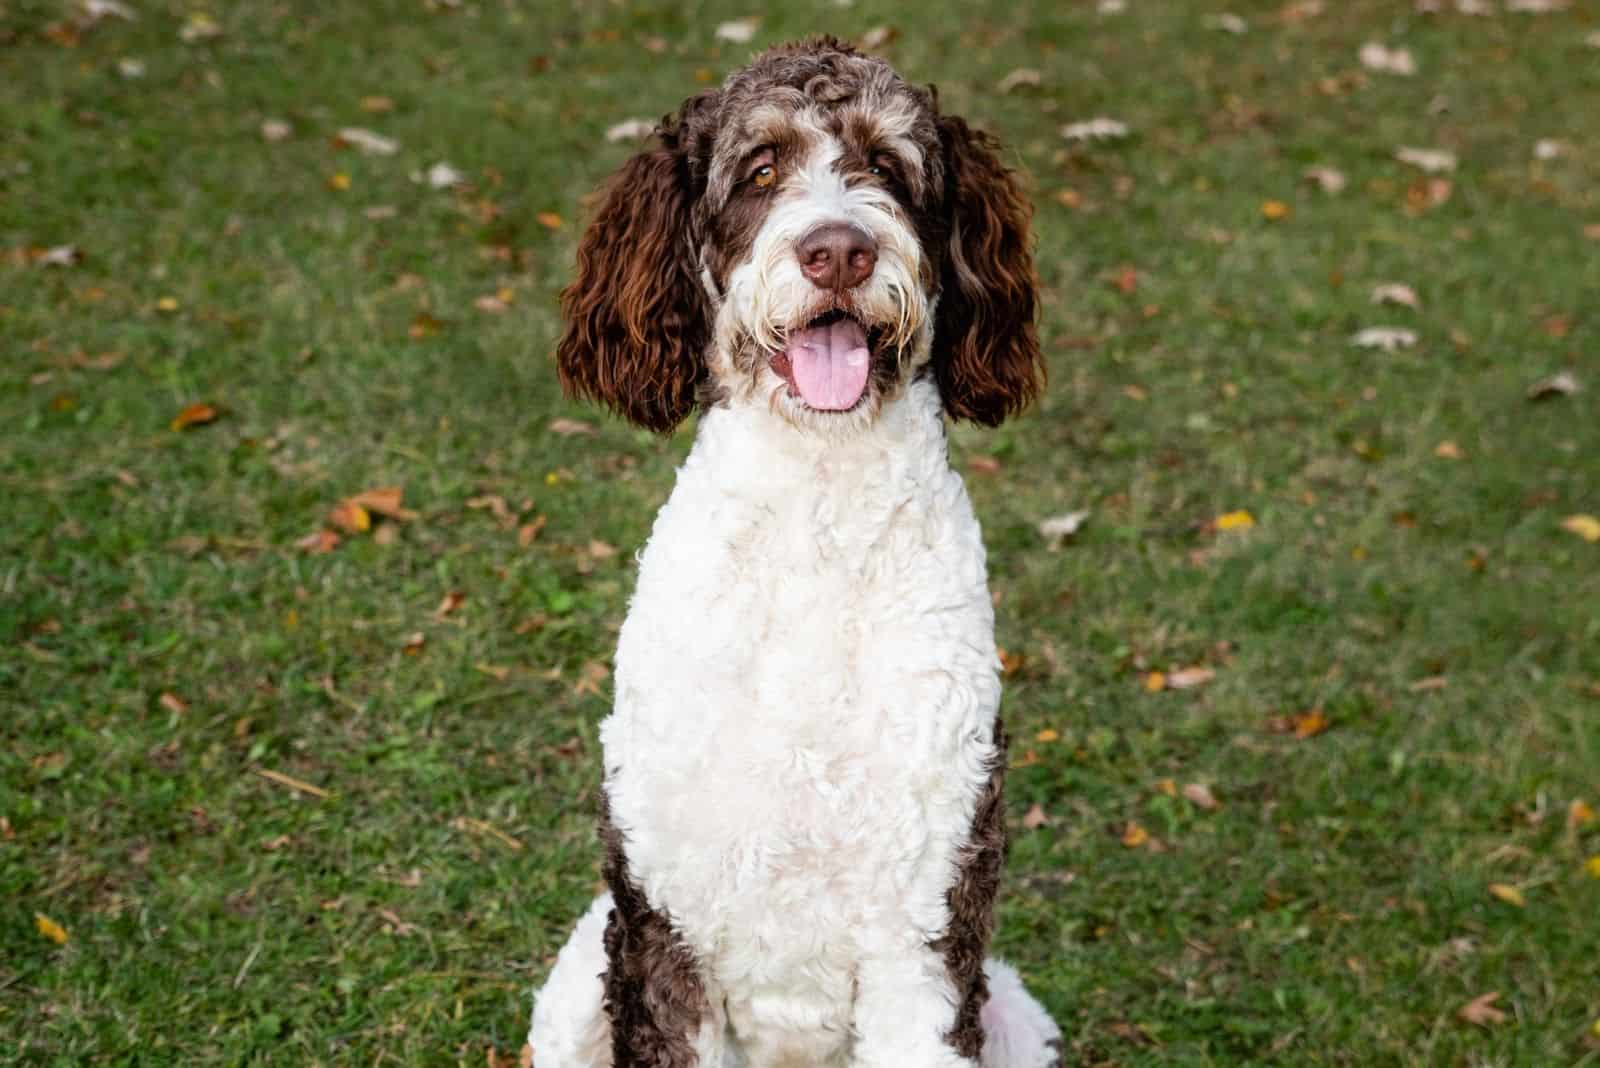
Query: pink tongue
830, 364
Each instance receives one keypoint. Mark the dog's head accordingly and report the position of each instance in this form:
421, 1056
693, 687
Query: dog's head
810, 236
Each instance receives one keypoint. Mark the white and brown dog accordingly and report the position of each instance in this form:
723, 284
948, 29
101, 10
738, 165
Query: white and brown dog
802, 810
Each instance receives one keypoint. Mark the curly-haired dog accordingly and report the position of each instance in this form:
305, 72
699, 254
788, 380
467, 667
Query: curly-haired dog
802, 810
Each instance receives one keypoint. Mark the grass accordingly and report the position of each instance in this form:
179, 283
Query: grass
1334, 910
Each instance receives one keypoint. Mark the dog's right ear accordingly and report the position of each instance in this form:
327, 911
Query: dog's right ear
636, 318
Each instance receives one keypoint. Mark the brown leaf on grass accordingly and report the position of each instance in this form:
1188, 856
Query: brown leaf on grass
1480, 1011
1304, 725
365, 141
1127, 280
376, 105
414, 643
877, 37
1134, 836
570, 427
1448, 450
1579, 814
350, 518
494, 671
529, 532
1035, 818
384, 501
1155, 682
319, 542
1432, 682
1200, 795
394, 925
983, 465
496, 506
1560, 384
1327, 179
549, 220
492, 304
590, 676
1190, 677
195, 415
272, 845
1556, 326
424, 326
1507, 893
1275, 210
452, 600
173, 703
1047, 735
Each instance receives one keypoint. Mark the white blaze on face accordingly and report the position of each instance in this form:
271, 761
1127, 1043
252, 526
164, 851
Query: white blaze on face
768, 302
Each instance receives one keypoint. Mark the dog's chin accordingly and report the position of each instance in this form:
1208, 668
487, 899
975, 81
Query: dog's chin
828, 362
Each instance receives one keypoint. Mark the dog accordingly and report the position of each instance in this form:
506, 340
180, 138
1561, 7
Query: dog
801, 811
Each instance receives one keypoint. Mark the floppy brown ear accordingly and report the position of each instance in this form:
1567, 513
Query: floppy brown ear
985, 346
636, 324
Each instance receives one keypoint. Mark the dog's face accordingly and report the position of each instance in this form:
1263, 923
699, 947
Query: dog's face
809, 237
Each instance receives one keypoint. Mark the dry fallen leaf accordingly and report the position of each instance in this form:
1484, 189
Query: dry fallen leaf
195, 415
1035, 818
1387, 338
1432, 682
350, 518
50, 928
739, 30
877, 37
1379, 57
983, 465
452, 600
1507, 893
414, 643
1134, 836
549, 220
1059, 527
318, 543
529, 531
570, 427
1327, 179
384, 501
173, 703
496, 506
630, 130
1275, 211
1395, 293
1579, 814
1592, 866
366, 141
1200, 795
443, 176
1480, 1011
590, 676
1586, 527
1099, 128
1047, 735
1228, 22
1304, 725
1240, 520
1448, 450
1190, 677
339, 182
1560, 384
275, 130
1022, 76
1155, 682
1430, 160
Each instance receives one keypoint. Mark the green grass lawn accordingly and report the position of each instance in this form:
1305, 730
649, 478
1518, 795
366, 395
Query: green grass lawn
426, 695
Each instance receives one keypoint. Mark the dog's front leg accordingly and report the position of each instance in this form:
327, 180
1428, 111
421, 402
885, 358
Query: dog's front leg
908, 1015
655, 990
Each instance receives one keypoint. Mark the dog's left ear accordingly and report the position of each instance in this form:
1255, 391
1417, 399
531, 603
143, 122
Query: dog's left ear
637, 326
985, 346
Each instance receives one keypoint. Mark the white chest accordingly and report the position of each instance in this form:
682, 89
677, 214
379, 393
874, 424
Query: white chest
806, 681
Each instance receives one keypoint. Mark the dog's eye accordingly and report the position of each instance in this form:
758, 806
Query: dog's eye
764, 175
881, 166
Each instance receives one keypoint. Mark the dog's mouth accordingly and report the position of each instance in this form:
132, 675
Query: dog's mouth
827, 361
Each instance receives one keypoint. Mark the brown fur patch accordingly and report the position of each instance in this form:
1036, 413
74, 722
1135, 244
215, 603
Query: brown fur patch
655, 997
965, 942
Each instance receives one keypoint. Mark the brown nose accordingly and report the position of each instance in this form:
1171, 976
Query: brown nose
837, 256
